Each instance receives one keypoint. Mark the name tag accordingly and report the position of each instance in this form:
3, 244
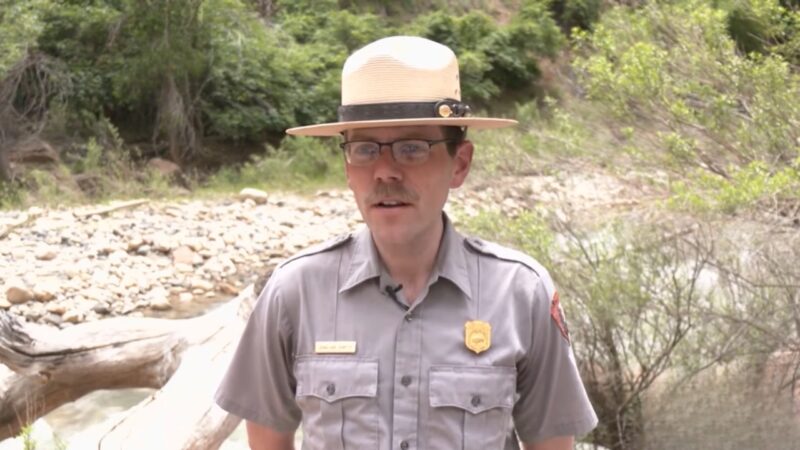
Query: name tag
335, 347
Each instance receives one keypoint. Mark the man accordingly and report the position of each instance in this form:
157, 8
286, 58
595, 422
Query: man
406, 335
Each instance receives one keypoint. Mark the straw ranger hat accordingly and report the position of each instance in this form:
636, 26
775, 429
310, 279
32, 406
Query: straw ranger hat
401, 81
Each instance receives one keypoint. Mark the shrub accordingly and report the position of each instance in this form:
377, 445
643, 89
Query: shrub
629, 293
670, 73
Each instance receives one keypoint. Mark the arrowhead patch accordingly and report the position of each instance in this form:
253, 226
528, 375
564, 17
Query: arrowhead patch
557, 314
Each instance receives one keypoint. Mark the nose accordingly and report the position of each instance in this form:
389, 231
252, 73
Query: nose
385, 168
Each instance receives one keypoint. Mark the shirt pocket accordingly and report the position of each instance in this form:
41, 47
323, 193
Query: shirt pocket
338, 397
471, 406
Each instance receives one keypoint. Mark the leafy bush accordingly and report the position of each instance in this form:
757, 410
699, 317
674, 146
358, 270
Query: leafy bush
495, 59
299, 162
576, 13
629, 295
749, 186
20, 25
670, 74
169, 75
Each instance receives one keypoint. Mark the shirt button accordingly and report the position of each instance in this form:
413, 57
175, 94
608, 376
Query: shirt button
405, 380
330, 389
404, 445
408, 317
476, 400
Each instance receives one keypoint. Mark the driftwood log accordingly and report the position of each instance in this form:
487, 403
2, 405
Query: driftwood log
183, 358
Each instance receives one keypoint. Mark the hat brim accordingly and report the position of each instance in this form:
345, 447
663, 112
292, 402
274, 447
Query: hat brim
336, 128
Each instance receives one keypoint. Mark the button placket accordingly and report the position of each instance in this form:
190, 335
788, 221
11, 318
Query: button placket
407, 360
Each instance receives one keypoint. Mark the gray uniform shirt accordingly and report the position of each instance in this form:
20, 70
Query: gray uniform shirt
411, 382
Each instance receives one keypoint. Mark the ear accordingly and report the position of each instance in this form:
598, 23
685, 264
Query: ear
462, 161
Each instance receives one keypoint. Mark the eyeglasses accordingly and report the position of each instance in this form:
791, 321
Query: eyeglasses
408, 152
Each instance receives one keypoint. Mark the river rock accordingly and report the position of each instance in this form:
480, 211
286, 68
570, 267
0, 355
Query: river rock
185, 255
134, 242
46, 254
158, 299
200, 283
72, 316
46, 289
134, 259
163, 243
34, 311
53, 319
17, 292
117, 257
227, 288
101, 308
257, 196
56, 308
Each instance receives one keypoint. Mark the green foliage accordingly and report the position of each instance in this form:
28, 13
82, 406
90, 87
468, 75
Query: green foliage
580, 14
630, 296
20, 25
765, 26
300, 162
750, 186
176, 74
26, 435
528, 232
494, 58
11, 196
672, 74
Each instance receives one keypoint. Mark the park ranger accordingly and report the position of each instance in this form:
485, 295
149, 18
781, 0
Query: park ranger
406, 335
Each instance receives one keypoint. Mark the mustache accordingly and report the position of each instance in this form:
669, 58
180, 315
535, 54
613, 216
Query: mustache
383, 191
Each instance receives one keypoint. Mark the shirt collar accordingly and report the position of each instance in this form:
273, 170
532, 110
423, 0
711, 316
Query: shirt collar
364, 261
451, 261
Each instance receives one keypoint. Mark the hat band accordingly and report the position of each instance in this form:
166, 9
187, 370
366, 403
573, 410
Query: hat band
404, 110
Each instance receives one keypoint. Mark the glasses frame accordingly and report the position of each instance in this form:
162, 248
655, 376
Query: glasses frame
394, 150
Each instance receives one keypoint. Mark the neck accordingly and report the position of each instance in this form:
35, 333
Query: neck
411, 263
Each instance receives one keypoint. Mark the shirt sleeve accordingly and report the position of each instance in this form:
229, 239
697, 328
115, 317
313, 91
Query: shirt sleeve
552, 399
259, 385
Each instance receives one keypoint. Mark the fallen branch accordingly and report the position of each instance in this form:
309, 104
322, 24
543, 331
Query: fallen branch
53, 367
109, 209
23, 221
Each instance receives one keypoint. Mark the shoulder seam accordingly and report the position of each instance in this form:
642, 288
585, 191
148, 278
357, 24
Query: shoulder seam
326, 246
480, 246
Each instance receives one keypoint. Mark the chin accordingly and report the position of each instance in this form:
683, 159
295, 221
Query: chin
389, 235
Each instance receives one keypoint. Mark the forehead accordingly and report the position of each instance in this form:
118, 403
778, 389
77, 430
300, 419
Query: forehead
385, 134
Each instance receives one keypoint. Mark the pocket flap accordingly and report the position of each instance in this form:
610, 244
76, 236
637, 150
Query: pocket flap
472, 388
335, 378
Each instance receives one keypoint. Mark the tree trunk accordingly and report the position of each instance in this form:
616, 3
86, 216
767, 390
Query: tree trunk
53, 367
5, 166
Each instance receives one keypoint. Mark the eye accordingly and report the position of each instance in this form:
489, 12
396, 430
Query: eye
411, 150
363, 149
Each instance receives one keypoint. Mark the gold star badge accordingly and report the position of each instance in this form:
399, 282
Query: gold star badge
478, 335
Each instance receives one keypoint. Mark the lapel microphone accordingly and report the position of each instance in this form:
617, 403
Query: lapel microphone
392, 291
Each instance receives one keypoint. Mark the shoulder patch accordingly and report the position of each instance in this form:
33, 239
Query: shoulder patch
508, 254
326, 246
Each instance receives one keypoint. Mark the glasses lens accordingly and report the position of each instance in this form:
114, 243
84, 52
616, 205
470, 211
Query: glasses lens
361, 152
411, 152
